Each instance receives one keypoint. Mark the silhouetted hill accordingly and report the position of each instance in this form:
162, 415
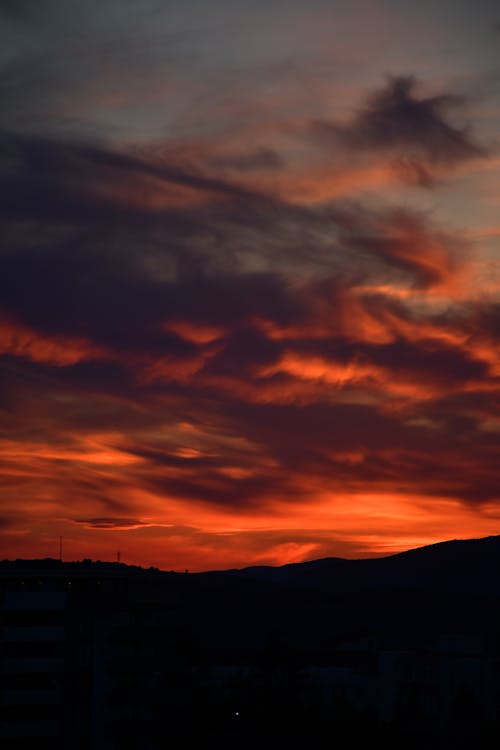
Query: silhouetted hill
458, 566
454, 567
405, 598
393, 651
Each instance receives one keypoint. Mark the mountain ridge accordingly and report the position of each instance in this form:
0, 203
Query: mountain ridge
456, 566
429, 551
450, 586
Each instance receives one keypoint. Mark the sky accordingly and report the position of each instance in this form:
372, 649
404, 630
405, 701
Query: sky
249, 278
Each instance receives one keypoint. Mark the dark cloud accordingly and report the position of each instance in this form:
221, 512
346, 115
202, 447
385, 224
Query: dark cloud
436, 364
109, 523
7, 522
405, 241
350, 445
22, 10
262, 158
101, 238
221, 491
62, 180
415, 128
77, 263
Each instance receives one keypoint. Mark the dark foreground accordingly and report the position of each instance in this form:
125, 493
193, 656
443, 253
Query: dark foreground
404, 651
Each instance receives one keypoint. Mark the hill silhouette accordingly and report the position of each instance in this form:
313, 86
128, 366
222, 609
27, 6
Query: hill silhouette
458, 566
452, 586
401, 651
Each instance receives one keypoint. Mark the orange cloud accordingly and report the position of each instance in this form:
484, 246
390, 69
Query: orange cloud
356, 374
197, 333
22, 341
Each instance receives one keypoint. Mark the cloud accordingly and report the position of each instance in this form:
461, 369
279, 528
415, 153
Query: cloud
414, 129
92, 281
109, 523
258, 159
179, 342
145, 296
8, 523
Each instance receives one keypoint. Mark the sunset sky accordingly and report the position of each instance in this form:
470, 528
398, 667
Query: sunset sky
249, 278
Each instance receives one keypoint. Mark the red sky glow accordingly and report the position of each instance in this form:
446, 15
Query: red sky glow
249, 279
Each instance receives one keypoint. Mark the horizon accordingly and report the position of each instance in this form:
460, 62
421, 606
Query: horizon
146, 567
250, 281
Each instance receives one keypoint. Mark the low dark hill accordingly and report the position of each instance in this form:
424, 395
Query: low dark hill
406, 600
447, 587
454, 567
